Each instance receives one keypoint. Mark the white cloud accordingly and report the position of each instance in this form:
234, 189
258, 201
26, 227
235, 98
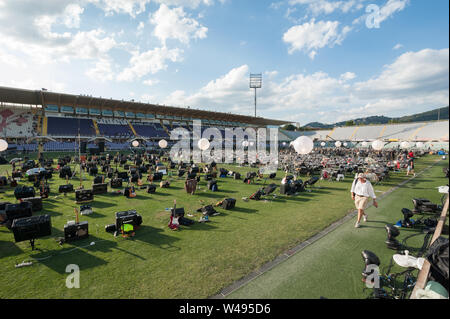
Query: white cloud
413, 82
71, 15
131, 7
102, 71
347, 76
151, 82
174, 24
318, 7
412, 73
311, 36
151, 61
397, 46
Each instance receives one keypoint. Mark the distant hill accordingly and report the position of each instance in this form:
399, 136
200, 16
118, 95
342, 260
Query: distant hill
373, 120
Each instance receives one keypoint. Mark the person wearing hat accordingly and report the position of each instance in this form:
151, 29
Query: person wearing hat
362, 191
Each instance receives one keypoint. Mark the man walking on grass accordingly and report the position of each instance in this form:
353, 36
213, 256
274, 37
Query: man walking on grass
362, 191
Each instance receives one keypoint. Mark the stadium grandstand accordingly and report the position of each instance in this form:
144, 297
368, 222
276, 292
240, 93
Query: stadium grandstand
27, 115
64, 118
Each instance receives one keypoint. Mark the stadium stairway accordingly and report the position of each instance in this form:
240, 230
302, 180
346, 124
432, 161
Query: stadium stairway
416, 132
165, 128
354, 133
382, 131
97, 131
44, 125
132, 128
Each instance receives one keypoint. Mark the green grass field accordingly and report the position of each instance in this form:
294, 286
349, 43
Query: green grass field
332, 266
195, 262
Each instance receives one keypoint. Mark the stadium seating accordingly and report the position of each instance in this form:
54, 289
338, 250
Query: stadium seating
66, 126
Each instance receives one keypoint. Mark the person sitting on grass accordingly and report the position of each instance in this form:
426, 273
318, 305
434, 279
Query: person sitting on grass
362, 191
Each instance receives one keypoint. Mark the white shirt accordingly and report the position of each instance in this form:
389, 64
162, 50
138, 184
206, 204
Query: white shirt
363, 189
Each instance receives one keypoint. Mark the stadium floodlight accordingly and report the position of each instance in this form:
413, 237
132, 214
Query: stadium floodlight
255, 83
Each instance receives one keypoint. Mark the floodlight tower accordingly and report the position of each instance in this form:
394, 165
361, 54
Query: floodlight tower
255, 83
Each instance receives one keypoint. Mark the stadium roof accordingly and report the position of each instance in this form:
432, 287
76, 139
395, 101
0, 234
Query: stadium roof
44, 97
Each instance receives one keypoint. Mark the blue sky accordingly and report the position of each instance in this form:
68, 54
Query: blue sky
322, 60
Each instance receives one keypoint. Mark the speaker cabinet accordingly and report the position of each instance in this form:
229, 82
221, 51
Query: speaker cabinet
21, 210
151, 189
123, 175
98, 189
116, 183
30, 228
36, 203
75, 231
128, 217
228, 203
84, 195
68, 188
24, 192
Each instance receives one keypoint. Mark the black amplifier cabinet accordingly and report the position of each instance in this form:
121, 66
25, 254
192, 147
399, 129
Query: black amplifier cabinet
21, 210
30, 228
123, 175
128, 217
178, 212
98, 189
65, 188
74, 231
36, 203
24, 192
116, 183
229, 203
151, 189
84, 195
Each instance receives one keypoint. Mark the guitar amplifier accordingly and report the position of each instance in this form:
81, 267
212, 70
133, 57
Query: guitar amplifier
229, 203
128, 217
36, 203
122, 175
98, 179
178, 212
134, 178
84, 195
116, 183
32, 227
75, 231
151, 189
21, 210
24, 192
143, 169
68, 188
98, 189
237, 175
93, 171
65, 172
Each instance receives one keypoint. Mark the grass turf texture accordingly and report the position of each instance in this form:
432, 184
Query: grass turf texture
331, 267
196, 262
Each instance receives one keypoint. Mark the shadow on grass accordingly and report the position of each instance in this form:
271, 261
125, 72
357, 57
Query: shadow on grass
9, 248
156, 237
244, 210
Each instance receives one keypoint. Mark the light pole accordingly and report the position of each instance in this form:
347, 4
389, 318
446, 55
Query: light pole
255, 83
